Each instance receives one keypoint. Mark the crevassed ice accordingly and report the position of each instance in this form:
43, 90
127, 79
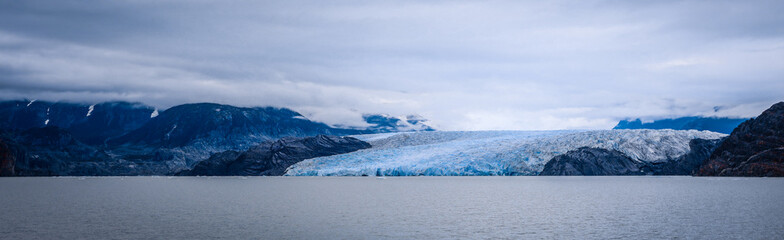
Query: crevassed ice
491, 152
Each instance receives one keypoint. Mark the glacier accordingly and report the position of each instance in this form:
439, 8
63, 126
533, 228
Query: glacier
471, 153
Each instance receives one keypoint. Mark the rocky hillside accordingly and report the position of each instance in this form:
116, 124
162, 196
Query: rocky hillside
273, 157
586, 161
8, 157
755, 148
689, 163
49, 151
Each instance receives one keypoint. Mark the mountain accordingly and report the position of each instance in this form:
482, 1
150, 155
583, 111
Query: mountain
185, 134
205, 124
111, 119
91, 124
493, 152
120, 138
37, 114
722, 125
597, 161
383, 123
273, 157
52, 151
48, 151
210, 124
755, 148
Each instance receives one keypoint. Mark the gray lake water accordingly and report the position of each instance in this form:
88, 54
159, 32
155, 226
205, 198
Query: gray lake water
396, 208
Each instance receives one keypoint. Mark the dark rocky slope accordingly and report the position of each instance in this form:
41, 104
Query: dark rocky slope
587, 161
49, 151
689, 163
273, 157
52, 151
754, 148
8, 154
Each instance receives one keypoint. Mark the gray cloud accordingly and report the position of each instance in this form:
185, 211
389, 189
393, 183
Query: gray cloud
463, 64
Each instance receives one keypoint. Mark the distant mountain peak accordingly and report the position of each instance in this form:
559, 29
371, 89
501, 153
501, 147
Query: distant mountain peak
388, 123
715, 124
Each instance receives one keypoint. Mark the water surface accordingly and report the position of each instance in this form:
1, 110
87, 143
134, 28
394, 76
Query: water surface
397, 208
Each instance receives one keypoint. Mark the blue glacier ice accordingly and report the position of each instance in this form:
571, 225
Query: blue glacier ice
468, 153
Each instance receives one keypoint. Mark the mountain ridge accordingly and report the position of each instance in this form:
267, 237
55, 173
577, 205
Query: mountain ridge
716, 124
136, 139
110, 122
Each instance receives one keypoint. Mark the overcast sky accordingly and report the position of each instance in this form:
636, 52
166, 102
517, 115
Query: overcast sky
465, 65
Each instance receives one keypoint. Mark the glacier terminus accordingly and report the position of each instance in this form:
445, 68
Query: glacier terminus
479, 153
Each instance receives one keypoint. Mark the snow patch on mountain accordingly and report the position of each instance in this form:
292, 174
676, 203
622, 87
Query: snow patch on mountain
168, 134
491, 152
90, 110
154, 113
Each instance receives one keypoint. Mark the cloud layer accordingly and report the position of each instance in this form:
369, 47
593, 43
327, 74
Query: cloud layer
466, 65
